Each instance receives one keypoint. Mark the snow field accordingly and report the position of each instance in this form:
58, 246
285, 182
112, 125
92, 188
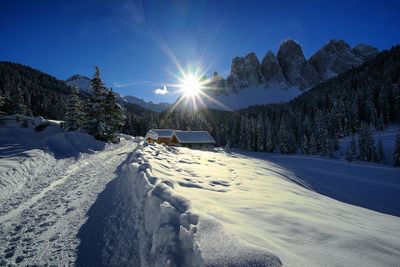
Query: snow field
268, 210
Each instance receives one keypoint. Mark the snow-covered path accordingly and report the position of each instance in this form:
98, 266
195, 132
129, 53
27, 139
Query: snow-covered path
40, 226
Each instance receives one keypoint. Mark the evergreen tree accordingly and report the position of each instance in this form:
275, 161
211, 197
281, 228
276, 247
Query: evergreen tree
2, 101
18, 103
269, 142
380, 155
96, 114
74, 116
312, 145
396, 152
285, 139
366, 144
305, 145
115, 117
351, 152
260, 134
105, 117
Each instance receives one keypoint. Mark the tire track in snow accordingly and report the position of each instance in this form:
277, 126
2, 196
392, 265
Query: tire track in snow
43, 229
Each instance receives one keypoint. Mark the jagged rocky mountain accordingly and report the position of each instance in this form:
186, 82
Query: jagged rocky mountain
337, 56
290, 68
83, 84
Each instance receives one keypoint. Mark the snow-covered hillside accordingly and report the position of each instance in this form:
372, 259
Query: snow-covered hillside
256, 95
48, 181
271, 208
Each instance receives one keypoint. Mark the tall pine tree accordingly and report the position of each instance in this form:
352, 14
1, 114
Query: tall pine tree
396, 152
105, 117
366, 144
74, 116
351, 153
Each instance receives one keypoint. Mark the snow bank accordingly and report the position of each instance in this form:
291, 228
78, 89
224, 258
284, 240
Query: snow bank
25, 152
149, 224
170, 233
15, 172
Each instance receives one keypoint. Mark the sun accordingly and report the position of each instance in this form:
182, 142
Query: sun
191, 85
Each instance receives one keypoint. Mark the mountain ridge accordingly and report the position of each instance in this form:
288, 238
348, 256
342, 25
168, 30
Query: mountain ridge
290, 68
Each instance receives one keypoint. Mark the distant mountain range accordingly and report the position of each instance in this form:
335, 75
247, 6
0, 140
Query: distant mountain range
83, 83
251, 82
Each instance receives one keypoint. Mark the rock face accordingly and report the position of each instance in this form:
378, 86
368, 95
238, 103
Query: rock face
272, 71
337, 57
295, 67
245, 72
365, 52
290, 68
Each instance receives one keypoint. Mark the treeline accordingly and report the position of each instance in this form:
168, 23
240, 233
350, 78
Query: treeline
27, 91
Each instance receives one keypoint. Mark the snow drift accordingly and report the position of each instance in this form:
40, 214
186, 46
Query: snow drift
146, 223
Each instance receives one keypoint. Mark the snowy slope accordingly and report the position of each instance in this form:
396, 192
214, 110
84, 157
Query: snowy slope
270, 209
257, 95
388, 137
48, 182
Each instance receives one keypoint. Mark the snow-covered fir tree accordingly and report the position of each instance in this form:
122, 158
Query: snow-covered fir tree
366, 144
74, 116
115, 117
380, 153
96, 118
351, 153
18, 103
104, 116
269, 142
396, 152
305, 145
286, 141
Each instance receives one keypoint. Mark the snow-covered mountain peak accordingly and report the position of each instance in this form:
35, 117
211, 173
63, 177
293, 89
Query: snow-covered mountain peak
82, 82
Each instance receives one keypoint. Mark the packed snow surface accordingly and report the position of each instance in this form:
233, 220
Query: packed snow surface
48, 182
268, 208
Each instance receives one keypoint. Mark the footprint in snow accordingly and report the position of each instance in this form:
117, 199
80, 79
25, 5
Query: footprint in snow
222, 183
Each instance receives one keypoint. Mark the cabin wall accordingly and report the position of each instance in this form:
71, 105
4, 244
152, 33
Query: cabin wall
163, 140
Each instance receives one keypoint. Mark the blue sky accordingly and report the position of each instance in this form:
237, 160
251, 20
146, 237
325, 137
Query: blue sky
138, 44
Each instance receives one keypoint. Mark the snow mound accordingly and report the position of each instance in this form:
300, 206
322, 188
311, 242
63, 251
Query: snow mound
25, 152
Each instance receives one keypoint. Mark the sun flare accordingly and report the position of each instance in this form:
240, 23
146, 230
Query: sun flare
191, 85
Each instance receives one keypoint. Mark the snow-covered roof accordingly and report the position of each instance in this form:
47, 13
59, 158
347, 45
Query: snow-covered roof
152, 135
194, 137
163, 133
